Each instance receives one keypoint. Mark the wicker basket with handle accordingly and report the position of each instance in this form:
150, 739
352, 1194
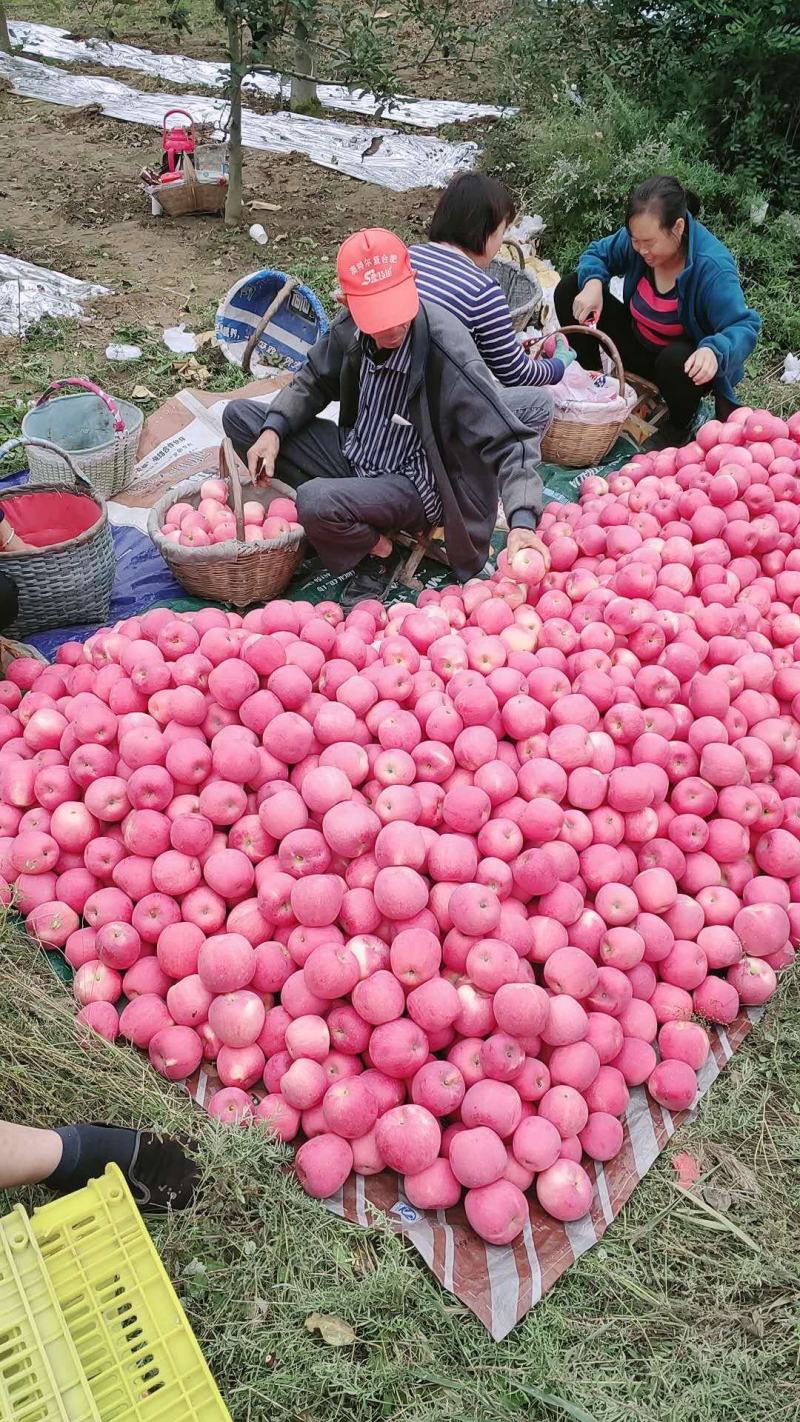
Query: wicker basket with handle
190, 193
236, 572
101, 435
66, 583
574, 445
520, 287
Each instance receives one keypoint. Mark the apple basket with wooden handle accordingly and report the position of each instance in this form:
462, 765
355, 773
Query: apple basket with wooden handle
568, 442
235, 571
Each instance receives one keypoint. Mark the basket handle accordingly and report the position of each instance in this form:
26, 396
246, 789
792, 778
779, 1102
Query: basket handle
228, 470
80, 479
184, 114
119, 423
189, 175
601, 336
258, 330
516, 249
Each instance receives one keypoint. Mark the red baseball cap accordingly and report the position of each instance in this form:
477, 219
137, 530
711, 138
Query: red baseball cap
376, 276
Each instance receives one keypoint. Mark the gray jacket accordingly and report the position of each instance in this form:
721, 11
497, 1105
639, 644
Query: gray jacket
476, 447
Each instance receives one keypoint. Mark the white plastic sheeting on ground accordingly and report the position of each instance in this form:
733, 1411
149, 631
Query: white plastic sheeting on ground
28, 292
399, 161
55, 43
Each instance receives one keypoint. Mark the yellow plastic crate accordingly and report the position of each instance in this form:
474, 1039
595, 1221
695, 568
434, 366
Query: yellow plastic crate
140, 1358
41, 1379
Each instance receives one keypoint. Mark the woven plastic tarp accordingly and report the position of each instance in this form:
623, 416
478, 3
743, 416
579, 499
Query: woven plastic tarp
384, 156
54, 43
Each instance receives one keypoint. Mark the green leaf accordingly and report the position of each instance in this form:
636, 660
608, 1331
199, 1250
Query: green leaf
550, 1399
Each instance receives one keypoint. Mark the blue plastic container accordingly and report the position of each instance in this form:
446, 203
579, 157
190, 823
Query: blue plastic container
294, 328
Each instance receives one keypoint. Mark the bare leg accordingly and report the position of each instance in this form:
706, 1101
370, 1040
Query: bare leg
27, 1154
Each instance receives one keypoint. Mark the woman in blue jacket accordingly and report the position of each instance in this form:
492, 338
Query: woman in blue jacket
683, 322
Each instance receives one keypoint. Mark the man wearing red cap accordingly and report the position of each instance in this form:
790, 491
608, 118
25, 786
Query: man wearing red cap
424, 436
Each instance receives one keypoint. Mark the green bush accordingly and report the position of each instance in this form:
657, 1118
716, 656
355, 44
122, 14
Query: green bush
732, 66
575, 164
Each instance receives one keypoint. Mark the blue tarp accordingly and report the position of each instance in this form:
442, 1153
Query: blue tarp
142, 578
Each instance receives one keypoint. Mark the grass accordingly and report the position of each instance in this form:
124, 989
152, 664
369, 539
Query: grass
56, 347
67, 347
684, 1313
53, 347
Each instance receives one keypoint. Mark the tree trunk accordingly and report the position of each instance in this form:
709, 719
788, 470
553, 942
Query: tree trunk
5, 42
233, 201
304, 91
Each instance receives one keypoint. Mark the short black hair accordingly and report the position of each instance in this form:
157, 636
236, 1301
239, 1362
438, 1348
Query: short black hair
470, 209
666, 197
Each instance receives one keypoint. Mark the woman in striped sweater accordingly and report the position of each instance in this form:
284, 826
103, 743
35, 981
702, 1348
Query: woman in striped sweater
683, 321
466, 234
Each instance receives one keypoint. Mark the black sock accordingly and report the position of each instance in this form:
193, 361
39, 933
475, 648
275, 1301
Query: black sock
87, 1151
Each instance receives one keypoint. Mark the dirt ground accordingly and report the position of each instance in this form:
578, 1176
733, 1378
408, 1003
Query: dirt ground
72, 200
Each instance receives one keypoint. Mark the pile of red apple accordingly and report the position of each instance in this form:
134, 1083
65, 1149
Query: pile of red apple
214, 521
445, 881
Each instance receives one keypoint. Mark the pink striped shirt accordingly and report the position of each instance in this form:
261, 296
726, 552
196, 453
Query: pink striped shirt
655, 314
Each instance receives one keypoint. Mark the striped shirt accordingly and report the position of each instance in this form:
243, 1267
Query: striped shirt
450, 279
654, 314
383, 440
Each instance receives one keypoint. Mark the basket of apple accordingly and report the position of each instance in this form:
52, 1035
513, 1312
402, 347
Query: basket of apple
222, 546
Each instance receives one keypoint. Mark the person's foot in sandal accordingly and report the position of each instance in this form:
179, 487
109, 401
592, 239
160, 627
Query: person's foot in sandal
159, 1172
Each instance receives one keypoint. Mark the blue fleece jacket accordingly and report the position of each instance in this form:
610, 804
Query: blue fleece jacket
711, 304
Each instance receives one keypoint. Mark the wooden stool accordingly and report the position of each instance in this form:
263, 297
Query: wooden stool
648, 411
426, 545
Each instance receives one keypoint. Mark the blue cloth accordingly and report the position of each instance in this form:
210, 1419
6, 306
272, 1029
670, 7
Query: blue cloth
142, 579
711, 303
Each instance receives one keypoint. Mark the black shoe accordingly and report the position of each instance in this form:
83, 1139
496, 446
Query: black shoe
669, 436
370, 579
161, 1173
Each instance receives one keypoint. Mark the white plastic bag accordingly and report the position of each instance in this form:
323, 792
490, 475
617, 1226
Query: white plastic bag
791, 370
592, 399
527, 230
178, 339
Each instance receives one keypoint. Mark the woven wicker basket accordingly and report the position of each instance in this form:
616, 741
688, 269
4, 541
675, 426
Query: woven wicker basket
576, 446
65, 583
190, 193
520, 287
100, 434
236, 572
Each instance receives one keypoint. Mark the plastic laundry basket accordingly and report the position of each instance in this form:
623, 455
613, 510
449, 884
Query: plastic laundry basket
294, 326
40, 1375
139, 1356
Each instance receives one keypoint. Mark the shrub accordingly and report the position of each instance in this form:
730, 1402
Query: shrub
575, 164
733, 67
